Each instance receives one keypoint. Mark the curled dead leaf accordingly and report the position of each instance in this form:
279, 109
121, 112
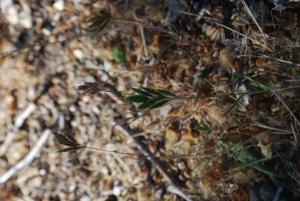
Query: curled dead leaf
172, 137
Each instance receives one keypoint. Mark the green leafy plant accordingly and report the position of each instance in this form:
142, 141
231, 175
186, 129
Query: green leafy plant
240, 154
262, 89
258, 84
148, 98
203, 128
274, 91
120, 55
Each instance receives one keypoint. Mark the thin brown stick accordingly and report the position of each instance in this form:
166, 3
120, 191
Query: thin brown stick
175, 185
286, 107
141, 23
294, 134
141, 28
253, 18
110, 151
271, 57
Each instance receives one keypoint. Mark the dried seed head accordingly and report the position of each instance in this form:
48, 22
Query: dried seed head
227, 58
98, 22
68, 140
214, 33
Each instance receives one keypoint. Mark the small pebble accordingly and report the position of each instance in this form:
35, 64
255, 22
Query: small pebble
78, 53
59, 5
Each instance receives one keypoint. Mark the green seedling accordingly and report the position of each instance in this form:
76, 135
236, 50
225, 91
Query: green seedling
202, 128
148, 98
240, 154
120, 55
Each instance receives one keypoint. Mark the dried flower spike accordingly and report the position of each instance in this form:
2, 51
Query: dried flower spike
99, 21
67, 140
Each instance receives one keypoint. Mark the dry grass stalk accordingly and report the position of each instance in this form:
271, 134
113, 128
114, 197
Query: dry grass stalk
27, 160
254, 20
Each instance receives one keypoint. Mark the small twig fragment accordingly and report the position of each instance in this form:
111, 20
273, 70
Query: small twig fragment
27, 160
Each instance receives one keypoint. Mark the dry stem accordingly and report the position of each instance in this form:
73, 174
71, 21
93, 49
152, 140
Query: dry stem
27, 160
175, 185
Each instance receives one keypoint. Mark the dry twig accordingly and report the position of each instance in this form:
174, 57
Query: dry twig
27, 160
253, 18
143, 40
175, 185
10, 136
19, 122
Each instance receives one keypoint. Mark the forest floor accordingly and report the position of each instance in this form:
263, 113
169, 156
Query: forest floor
149, 100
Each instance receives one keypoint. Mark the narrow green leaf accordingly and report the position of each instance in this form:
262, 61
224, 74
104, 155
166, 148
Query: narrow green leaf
71, 149
120, 55
141, 92
202, 128
166, 93
233, 106
82, 87
137, 98
151, 91
151, 102
240, 154
257, 83
159, 104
